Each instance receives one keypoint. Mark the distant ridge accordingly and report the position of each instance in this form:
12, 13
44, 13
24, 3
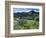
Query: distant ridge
25, 13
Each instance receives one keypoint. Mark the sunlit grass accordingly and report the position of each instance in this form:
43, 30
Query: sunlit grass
26, 24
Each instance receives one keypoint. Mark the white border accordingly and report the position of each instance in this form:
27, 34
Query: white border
26, 31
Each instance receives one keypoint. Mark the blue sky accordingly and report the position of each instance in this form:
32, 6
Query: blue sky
15, 10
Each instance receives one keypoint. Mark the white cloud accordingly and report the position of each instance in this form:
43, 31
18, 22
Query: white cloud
36, 10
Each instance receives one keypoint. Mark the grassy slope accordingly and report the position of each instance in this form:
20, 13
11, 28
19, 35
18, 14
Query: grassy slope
28, 24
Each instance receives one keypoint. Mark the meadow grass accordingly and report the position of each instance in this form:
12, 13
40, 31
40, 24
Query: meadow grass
26, 24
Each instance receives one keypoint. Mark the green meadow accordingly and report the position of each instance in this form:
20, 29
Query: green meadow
26, 24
